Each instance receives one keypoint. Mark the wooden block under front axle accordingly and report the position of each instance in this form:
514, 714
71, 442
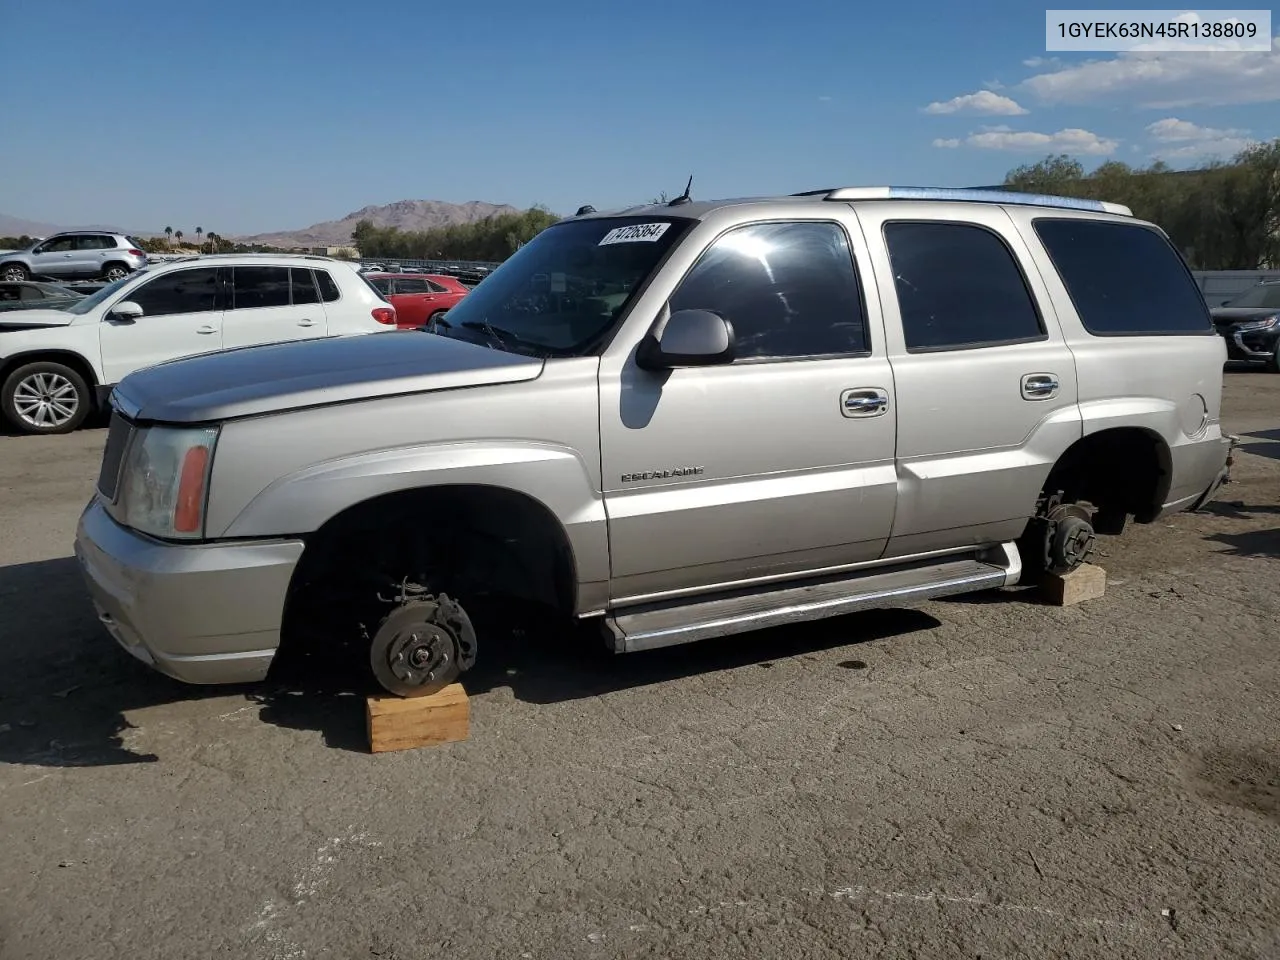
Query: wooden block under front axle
1085, 582
402, 723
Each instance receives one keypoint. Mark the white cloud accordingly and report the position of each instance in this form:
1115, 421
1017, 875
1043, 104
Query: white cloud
1173, 130
950, 143
1037, 62
1163, 80
982, 102
1072, 140
1194, 141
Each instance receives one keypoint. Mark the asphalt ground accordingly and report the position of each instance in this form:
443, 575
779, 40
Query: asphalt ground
983, 777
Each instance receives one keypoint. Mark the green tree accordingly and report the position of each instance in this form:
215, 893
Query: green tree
168, 232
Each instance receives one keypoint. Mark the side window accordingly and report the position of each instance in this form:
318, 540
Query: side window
789, 289
328, 288
94, 242
60, 245
254, 287
304, 286
381, 284
30, 292
1124, 279
11, 293
183, 291
404, 285
958, 286
434, 287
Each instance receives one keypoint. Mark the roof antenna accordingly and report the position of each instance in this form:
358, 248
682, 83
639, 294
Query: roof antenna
684, 197
584, 210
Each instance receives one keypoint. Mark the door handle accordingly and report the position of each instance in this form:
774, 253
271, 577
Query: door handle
864, 402
306, 323
1039, 386
206, 329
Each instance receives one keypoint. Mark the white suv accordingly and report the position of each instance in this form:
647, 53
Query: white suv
56, 366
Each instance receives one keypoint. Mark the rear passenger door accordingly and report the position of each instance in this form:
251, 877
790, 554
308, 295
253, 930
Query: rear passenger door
985, 382
272, 304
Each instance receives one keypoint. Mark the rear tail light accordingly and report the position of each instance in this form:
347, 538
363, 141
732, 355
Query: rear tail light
189, 503
385, 315
136, 253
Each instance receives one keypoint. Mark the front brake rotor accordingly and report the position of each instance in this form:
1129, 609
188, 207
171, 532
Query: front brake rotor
422, 646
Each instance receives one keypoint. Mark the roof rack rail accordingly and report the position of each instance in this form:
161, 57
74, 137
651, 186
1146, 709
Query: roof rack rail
971, 195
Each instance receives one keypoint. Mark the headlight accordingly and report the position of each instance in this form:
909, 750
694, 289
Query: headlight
165, 481
1265, 324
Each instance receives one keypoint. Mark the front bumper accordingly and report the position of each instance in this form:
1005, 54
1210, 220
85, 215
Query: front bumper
1251, 346
201, 613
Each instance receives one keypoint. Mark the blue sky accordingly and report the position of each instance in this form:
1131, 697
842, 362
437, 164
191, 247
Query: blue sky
245, 117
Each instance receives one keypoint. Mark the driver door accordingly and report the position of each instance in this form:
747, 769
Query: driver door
54, 258
181, 317
774, 464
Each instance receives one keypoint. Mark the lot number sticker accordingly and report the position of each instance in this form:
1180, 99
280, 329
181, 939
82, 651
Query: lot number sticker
636, 233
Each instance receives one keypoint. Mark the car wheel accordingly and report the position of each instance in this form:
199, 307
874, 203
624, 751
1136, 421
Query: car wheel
45, 397
433, 321
14, 272
114, 271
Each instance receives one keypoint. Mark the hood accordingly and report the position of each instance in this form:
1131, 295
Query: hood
31, 319
287, 376
1225, 316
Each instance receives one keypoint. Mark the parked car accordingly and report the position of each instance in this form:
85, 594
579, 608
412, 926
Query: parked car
35, 295
56, 366
421, 299
1250, 324
692, 420
111, 256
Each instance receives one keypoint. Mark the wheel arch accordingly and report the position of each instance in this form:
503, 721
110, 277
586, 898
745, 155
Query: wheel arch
77, 362
1119, 469
532, 536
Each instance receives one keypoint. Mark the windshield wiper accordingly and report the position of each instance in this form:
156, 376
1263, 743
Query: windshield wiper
503, 338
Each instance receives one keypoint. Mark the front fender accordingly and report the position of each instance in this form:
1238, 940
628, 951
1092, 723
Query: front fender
551, 474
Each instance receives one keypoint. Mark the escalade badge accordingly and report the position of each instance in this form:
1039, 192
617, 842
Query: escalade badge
663, 474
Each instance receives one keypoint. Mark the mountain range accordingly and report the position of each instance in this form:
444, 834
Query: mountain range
402, 214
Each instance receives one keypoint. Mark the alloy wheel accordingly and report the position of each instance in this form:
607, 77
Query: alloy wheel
46, 400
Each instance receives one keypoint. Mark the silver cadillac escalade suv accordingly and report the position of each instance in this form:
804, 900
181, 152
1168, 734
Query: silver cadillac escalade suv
678, 421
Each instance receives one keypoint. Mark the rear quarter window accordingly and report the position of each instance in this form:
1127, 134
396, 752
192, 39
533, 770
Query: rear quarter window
1125, 280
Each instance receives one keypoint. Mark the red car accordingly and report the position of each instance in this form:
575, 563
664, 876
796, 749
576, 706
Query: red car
418, 297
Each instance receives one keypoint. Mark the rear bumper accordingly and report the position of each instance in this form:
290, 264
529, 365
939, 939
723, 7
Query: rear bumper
1207, 467
201, 613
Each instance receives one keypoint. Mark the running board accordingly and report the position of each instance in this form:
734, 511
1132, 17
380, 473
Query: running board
645, 627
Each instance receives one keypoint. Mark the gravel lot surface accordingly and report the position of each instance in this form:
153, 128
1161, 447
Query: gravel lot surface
985, 777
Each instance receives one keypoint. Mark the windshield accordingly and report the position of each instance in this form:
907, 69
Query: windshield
560, 292
1264, 295
81, 307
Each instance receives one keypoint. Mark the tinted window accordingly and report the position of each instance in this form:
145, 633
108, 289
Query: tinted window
1124, 279
328, 288
304, 286
958, 286
436, 287
381, 284
789, 289
1263, 295
94, 242
183, 291
412, 286
260, 287
60, 245
11, 292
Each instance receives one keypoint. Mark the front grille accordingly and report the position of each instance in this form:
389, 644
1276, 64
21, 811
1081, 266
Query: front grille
117, 443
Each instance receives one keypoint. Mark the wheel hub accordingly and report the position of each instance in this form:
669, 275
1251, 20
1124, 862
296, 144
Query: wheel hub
422, 646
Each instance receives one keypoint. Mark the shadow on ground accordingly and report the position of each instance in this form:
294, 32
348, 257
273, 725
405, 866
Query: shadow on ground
66, 687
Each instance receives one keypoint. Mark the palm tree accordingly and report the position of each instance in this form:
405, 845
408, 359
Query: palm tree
213, 241
199, 234
168, 233
178, 234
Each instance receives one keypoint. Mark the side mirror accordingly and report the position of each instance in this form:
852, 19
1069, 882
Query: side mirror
126, 311
689, 338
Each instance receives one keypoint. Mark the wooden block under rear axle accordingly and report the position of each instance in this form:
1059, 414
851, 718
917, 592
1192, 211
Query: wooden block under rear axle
402, 723
1085, 582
